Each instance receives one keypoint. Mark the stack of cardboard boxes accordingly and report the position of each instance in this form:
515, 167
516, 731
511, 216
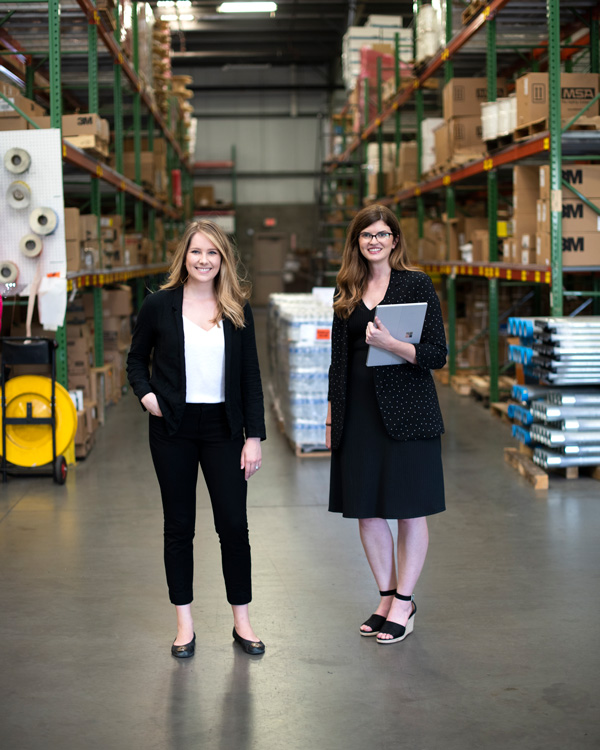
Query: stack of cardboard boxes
82, 381
458, 139
153, 165
10, 119
580, 223
119, 249
117, 309
576, 90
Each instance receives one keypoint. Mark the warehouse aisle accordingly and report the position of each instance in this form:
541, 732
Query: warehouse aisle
504, 652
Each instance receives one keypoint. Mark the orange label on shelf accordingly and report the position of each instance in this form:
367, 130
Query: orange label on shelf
446, 54
446, 180
99, 171
523, 275
323, 334
509, 273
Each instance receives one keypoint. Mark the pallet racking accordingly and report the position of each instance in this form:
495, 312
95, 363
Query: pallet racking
47, 16
548, 144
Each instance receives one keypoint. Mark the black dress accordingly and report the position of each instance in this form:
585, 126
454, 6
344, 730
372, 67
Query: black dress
373, 475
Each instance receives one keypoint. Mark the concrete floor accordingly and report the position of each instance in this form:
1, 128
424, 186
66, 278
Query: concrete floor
504, 653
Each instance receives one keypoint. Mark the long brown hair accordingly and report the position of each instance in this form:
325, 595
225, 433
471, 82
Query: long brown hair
353, 275
231, 288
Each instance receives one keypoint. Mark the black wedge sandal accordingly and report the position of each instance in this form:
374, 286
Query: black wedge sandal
375, 621
397, 631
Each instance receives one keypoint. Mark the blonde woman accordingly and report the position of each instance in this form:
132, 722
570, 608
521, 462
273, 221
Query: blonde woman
205, 402
384, 423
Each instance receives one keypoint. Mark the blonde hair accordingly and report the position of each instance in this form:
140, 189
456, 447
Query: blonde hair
353, 275
231, 288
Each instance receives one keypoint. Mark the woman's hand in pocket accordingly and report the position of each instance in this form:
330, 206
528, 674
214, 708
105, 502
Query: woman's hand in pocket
150, 402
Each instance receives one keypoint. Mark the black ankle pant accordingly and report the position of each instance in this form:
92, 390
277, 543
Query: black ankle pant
203, 438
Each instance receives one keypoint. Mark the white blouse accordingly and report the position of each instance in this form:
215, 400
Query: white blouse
204, 363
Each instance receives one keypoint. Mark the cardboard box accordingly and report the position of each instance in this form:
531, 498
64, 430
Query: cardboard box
407, 167
72, 225
463, 96
467, 225
481, 245
578, 218
81, 382
577, 89
84, 124
584, 178
146, 164
79, 357
43, 123
117, 332
204, 195
525, 189
442, 144
465, 136
542, 217
73, 248
117, 302
542, 249
29, 107
88, 227
439, 242
581, 249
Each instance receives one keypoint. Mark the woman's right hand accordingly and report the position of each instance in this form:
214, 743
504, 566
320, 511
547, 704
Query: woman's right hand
328, 436
150, 402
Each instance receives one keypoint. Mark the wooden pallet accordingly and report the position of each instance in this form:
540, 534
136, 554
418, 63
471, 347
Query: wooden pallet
500, 141
472, 10
526, 468
500, 409
82, 450
523, 132
461, 384
91, 144
480, 387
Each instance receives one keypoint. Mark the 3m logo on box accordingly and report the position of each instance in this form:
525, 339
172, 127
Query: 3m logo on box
85, 120
323, 334
573, 245
573, 176
577, 93
571, 211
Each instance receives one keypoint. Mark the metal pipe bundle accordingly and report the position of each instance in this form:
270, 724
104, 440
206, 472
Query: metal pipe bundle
553, 437
548, 460
574, 398
547, 412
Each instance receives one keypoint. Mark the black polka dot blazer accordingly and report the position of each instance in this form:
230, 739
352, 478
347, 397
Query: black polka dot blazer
406, 393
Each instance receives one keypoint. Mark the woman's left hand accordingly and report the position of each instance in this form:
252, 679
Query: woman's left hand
379, 336
251, 457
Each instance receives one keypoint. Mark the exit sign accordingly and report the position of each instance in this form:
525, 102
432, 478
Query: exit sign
272, 222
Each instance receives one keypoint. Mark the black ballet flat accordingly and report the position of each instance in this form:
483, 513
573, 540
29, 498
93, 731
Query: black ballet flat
185, 651
250, 647
375, 622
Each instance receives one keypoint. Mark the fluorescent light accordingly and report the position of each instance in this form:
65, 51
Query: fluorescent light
175, 17
249, 7
174, 3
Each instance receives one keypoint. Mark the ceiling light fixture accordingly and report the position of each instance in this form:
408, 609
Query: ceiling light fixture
248, 7
177, 17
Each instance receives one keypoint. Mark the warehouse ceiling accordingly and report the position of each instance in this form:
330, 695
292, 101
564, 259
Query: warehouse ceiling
303, 32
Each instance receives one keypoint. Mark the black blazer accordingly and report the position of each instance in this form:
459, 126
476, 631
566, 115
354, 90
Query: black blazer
159, 330
405, 393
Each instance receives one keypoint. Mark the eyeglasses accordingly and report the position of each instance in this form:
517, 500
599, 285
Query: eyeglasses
367, 236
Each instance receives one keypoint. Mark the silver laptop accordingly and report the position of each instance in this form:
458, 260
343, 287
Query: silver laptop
405, 323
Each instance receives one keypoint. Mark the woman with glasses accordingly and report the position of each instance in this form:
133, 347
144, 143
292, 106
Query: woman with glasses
384, 423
